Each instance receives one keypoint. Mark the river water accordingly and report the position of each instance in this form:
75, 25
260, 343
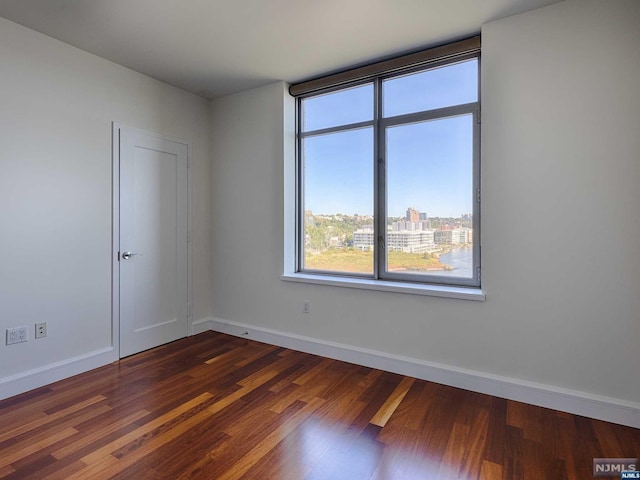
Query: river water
461, 259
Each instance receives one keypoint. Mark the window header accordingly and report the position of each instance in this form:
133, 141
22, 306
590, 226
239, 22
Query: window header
431, 56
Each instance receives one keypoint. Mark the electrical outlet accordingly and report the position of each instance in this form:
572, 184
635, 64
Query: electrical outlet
16, 335
41, 330
306, 306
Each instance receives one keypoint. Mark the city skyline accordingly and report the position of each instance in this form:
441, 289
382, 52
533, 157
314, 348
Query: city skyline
462, 216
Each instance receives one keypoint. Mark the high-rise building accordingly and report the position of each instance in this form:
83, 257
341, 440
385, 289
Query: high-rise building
412, 215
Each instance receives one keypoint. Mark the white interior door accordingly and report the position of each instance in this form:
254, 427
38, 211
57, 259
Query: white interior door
153, 256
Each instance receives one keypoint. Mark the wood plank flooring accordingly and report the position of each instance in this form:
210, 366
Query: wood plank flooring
218, 407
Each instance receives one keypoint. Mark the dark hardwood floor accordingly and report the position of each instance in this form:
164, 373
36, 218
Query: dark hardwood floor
219, 407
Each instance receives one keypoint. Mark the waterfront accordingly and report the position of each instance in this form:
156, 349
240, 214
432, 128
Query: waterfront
461, 261
458, 262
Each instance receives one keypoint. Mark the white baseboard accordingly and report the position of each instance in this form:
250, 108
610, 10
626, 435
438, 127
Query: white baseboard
39, 377
201, 325
565, 400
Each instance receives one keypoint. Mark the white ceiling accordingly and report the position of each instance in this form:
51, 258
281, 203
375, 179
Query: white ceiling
217, 47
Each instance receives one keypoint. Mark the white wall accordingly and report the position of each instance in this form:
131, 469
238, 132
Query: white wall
560, 174
56, 108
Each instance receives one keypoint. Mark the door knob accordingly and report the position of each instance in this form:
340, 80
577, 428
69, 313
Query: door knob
128, 255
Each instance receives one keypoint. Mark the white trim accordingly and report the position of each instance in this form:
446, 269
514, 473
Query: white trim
289, 181
200, 326
115, 241
446, 291
41, 376
115, 228
562, 399
189, 238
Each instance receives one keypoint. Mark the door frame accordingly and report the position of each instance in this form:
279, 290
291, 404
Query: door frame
115, 232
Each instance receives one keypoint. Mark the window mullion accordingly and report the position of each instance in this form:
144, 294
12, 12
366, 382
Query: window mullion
337, 129
477, 197
436, 114
299, 248
379, 186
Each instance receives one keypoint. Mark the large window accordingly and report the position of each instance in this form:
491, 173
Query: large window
388, 175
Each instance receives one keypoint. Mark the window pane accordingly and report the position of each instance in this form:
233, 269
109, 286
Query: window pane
430, 197
339, 108
338, 201
437, 88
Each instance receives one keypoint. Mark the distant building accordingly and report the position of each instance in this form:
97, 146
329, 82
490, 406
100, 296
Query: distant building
452, 236
407, 241
411, 241
412, 215
414, 235
411, 226
443, 237
363, 238
465, 236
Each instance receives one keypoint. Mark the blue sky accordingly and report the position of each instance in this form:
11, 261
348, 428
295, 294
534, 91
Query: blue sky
429, 164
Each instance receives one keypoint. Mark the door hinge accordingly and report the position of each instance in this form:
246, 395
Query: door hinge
381, 241
478, 195
478, 273
478, 116
118, 256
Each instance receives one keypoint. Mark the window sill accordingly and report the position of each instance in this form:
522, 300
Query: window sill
445, 291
